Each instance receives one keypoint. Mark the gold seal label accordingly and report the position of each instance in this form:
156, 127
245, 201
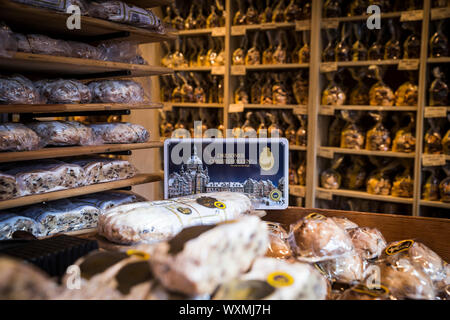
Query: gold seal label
220, 205
398, 247
186, 211
315, 216
137, 253
280, 279
275, 195
371, 291
266, 159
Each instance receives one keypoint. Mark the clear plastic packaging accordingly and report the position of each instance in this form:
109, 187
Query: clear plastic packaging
18, 90
352, 136
278, 245
113, 133
10, 223
241, 95
331, 178
279, 92
8, 42
122, 51
378, 138
317, 238
300, 89
407, 95
359, 96
280, 54
403, 185
343, 50
22, 42
369, 242
56, 5
63, 91
392, 49
446, 143
41, 44
439, 42
379, 182
438, 91
116, 91
253, 56
9, 187
101, 170
17, 137
63, 133
355, 175
301, 173
85, 51
301, 136
380, 94
121, 12
433, 139
430, 189
362, 292
404, 140
348, 269
111, 199
444, 186
333, 94
345, 223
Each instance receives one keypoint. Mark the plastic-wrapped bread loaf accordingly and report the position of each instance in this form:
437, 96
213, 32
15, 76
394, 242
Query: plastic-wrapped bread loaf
151, 222
41, 44
63, 133
44, 176
100, 170
9, 188
369, 243
349, 268
64, 91
17, 137
273, 279
110, 199
182, 265
22, 42
116, 91
114, 133
10, 223
18, 90
84, 51
62, 216
278, 245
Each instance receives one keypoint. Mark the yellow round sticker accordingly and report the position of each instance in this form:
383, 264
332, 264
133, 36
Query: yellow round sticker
280, 279
275, 195
220, 205
140, 254
315, 216
398, 247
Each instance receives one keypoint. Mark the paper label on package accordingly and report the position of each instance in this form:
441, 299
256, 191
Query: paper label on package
297, 191
220, 70
326, 153
167, 107
302, 25
238, 70
412, 15
325, 195
218, 32
440, 13
328, 66
433, 160
236, 107
408, 64
435, 112
301, 110
327, 110
330, 24
238, 30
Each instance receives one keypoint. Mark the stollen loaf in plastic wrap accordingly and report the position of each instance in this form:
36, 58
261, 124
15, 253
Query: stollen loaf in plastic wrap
63, 133
151, 222
369, 243
63, 91
17, 137
18, 90
10, 223
116, 91
9, 187
110, 199
113, 133
273, 279
200, 258
41, 44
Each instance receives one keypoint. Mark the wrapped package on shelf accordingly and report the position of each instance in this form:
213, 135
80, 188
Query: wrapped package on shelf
41, 44
344, 223
369, 242
430, 190
380, 94
379, 182
56, 5
444, 186
348, 268
355, 174
43, 176
446, 143
8, 43
121, 12
403, 185
181, 265
378, 138
63, 91
101, 170
9, 186
407, 94
18, 90
352, 135
10, 223
438, 91
63, 133
110, 199
331, 178
23, 45
18, 137
85, 51
273, 279
278, 245
116, 133
404, 140
433, 139
151, 222
333, 93
122, 51
116, 91
359, 96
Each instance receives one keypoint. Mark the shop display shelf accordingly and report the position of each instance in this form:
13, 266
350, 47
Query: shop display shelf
440, 13
283, 66
299, 109
60, 152
46, 65
68, 108
435, 204
325, 65
193, 69
326, 110
389, 15
56, 195
242, 29
24, 17
297, 148
328, 152
169, 105
323, 193
217, 32
439, 60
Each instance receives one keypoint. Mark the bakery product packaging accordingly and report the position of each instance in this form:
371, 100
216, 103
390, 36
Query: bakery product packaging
17, 137
63, 133
116, 133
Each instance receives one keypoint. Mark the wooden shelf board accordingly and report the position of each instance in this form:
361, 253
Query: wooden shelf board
297, 148
365, 195
193, 105
54, 24
193, 69
149, 3
362, 17
367, 63
28, 200
368, 153
435, 204
270, 106
277, 66
439, 60
195, 32
59, 152
53, 65
265, 26
56, 108
370, 108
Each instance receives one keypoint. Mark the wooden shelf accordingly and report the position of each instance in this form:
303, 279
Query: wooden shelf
59, 108
361, 195
168, 105
54, 24
297, 148
330, 151
365, 63
284, 66
439, 60
242, 29
299, 108
219, 31
59, 152
42, 64
329, 110
435, 204
193, 69
149, 3
360, 18
28, 200
297, 191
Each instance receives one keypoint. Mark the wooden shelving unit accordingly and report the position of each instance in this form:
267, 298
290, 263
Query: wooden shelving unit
329, 110
329, 151
64, 108
326, 193
192, 105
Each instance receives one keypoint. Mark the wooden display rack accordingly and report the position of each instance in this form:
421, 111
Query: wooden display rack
318, 115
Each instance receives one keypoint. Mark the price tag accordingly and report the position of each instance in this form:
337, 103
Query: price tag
328, 66
167, 107
238, 30
433, 160
297, 191
330, 24
435, 112
408, 64
302, 25
326, 153
440, 13
236, 107
238, 70
301, 110
218, 32
327, 110
268, 26
412, 15
220, 70
324, 195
